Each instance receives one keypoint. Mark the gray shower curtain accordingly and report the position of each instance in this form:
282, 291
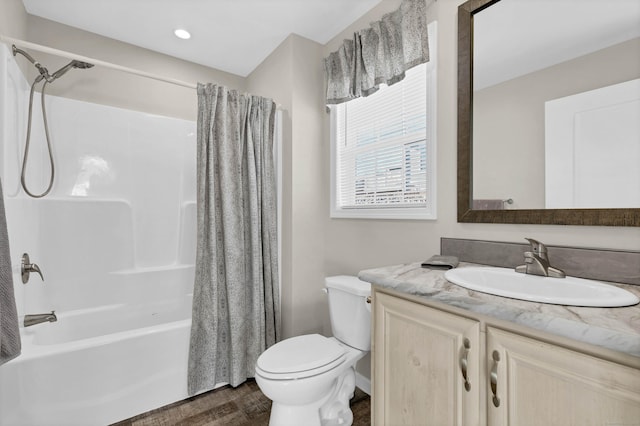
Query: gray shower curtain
235, 299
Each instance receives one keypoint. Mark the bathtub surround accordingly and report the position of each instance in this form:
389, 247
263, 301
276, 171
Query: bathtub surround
378, 54
115, 240
10, 344
236, 301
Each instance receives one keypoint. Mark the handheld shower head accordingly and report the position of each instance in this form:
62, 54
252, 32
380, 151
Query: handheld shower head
49, 78
70, 65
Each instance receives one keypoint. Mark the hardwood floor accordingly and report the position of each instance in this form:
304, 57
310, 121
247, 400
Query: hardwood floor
241, 406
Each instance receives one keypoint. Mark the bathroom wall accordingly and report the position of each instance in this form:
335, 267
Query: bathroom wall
313, 244
107, 86
352, 245
272, 78
290, 75
110, 87
13, 19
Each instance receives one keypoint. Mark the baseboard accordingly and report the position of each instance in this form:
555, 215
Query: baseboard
363, 383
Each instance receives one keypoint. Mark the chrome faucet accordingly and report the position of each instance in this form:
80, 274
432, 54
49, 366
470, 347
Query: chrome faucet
30, 320
536, 261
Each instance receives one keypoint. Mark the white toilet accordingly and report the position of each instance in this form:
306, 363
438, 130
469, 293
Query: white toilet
311, 378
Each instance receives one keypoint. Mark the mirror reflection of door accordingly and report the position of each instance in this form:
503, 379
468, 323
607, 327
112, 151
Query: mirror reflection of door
592, 148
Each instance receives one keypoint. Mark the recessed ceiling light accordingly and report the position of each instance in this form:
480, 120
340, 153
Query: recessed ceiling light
183, 34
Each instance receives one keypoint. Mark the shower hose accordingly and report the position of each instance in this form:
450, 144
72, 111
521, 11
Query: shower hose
28, 142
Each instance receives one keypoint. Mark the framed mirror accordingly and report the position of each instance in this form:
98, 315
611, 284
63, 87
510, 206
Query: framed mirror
548, 107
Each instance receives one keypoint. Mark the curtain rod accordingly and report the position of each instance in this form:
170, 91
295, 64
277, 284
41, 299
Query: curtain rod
62, 53
68, 55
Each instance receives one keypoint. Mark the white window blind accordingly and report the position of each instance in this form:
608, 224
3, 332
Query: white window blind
381, 147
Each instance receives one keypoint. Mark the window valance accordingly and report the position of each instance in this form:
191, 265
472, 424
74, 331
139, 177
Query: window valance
378, 54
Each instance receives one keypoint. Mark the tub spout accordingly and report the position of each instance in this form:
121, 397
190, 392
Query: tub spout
30, 320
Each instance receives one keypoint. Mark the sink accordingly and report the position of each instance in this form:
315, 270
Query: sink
570, 291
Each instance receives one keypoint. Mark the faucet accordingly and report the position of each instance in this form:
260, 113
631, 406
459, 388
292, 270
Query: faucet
26, 267
536, 262
30, 320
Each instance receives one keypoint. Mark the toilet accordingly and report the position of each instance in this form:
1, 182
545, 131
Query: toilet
311, 378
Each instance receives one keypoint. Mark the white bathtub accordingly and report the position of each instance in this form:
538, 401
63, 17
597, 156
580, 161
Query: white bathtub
101, 365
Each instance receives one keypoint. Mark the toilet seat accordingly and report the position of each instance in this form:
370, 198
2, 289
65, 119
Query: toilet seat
299, 357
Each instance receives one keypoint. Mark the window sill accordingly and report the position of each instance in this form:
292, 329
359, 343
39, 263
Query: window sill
399, 214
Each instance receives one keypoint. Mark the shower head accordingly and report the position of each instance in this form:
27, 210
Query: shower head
15, 51
44, 73
70, 65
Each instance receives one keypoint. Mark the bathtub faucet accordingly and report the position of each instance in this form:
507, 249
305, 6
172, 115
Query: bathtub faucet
26, 267
30, 320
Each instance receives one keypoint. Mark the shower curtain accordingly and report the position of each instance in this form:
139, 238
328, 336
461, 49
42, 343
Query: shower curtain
235, 301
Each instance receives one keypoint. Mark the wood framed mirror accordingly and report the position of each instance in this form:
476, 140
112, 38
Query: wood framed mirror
552, 198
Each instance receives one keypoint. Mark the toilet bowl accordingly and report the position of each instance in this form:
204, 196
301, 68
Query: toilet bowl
311, 378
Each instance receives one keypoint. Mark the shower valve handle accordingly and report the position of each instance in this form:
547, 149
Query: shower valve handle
26, 267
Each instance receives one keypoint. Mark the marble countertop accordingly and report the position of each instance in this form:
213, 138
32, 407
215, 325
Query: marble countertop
613, 328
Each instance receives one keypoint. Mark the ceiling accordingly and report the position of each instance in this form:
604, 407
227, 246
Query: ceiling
230, 35
516, 37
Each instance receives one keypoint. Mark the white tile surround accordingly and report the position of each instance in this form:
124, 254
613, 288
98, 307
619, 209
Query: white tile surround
123, 197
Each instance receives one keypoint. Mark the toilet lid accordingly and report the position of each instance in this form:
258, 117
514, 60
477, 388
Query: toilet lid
300, 353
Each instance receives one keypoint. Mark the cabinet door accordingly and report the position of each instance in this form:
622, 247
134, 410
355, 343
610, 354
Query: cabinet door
542, 384
418, 357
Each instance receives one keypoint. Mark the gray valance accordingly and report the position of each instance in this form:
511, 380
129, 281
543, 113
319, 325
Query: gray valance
378, 54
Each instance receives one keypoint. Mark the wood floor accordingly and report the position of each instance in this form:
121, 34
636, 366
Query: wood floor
241, 406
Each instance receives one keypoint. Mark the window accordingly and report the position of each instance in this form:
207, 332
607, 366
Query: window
383, 149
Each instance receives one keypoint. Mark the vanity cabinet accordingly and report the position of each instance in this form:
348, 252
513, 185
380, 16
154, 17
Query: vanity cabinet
424, 354
539, 383
420, 357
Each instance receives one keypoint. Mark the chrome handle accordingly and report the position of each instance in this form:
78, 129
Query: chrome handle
26, 267
494, 379
464, 363
369, 299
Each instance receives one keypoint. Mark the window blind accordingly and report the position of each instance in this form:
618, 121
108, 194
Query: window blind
382, 147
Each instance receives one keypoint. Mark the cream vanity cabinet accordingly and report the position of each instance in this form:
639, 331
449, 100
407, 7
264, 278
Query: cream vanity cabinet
420, 356
426, 355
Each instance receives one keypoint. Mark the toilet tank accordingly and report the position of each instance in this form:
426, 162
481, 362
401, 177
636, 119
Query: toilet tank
350, 313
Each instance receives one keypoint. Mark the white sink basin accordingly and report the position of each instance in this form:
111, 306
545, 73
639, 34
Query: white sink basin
558, 291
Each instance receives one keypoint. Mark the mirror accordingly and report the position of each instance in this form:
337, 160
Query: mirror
529, 147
